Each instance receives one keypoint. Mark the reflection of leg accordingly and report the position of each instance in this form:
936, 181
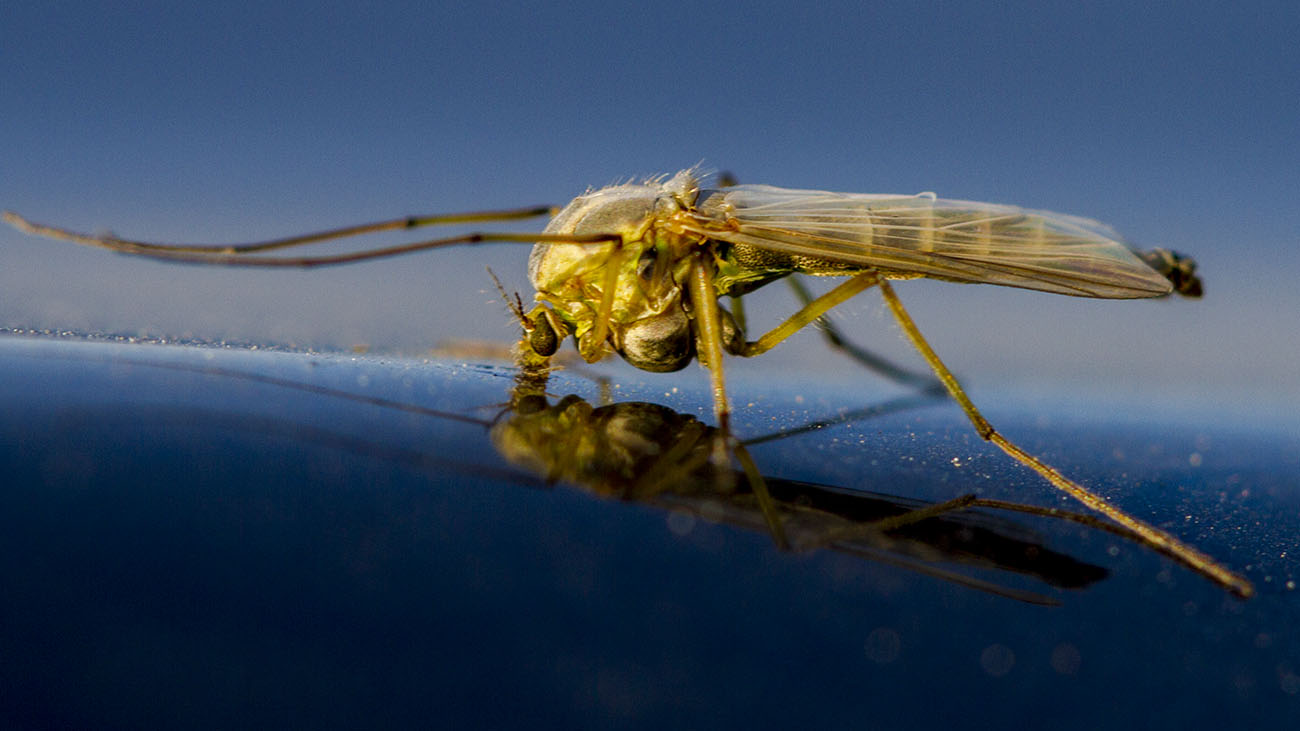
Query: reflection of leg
1149, 535
874, 528
920, 514
1091, 521
970, 501
810, 313
677, 464
868, 359
683, 459
904, 403
759, 486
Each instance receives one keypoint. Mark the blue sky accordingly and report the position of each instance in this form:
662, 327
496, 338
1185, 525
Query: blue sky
1176, 122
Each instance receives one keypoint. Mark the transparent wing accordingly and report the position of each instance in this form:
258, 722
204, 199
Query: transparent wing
922, 235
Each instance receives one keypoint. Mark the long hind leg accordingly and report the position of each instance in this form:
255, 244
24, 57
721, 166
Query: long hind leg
1150, 535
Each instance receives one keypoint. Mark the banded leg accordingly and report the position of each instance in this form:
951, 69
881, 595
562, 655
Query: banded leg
1148, 534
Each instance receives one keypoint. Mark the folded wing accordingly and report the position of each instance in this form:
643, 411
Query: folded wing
922, 235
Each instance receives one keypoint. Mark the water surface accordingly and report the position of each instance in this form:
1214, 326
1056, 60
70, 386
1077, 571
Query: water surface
210, 536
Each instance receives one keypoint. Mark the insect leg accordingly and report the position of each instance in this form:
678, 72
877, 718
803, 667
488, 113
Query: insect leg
870, 360
708, 332
592, 344
810, 313
140, 247
738, 311
1149, 535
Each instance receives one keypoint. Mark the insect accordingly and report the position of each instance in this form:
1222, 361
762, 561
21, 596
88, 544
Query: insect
639, 268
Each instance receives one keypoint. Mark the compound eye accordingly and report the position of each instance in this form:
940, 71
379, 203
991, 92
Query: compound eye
543, 339
662, 343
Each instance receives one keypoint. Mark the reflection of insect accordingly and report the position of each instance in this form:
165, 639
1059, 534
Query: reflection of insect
639, 268
650, 454
637, 453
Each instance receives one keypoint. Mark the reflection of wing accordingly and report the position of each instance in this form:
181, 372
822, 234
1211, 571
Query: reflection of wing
945, 239
815, 516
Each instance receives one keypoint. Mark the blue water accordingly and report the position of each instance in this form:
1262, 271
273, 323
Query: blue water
210, 537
